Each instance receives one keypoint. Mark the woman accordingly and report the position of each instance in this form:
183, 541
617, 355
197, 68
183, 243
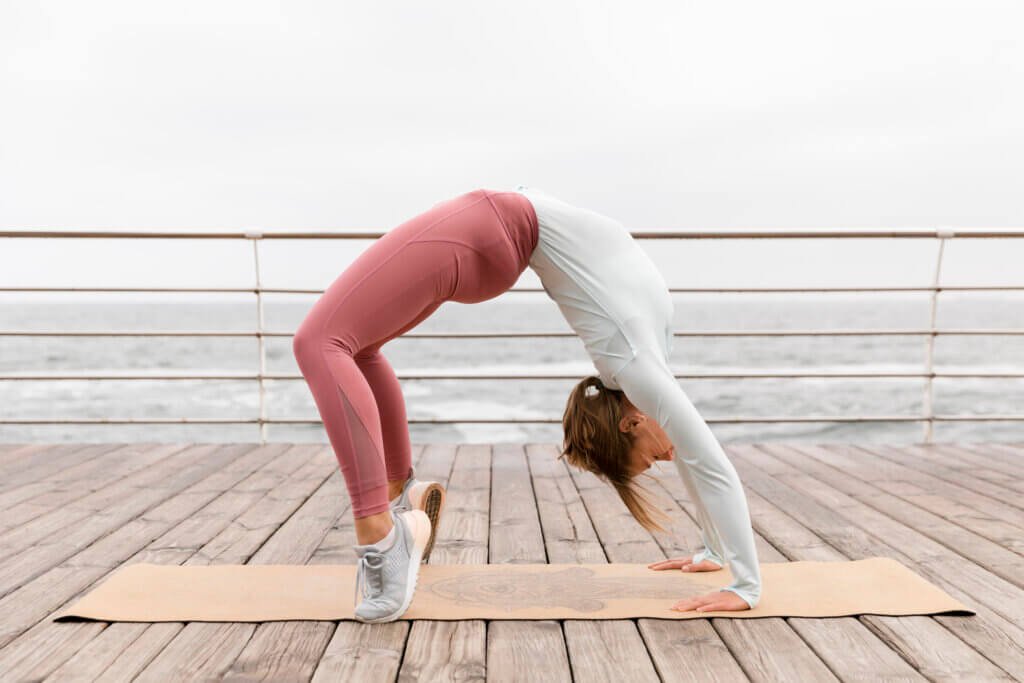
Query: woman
470, 249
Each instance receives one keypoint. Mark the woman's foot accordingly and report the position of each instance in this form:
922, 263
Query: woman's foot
387, 571
428, 496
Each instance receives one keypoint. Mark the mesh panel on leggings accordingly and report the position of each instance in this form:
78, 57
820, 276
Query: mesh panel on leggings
364, 449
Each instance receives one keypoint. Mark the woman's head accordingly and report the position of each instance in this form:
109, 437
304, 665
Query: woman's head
607, 435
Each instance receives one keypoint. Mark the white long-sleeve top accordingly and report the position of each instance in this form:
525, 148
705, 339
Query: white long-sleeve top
615, 298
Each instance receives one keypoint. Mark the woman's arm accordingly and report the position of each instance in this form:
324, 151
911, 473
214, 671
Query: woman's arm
709, 476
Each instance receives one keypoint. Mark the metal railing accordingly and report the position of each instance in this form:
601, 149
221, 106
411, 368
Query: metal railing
928, 417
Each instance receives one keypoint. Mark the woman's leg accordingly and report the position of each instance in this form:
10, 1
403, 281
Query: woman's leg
326, 345
459, 250
391, 406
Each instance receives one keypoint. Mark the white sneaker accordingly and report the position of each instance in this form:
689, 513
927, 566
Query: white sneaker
428, 496
388, 577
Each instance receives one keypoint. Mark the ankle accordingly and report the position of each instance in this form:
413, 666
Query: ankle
371, 529
395, 488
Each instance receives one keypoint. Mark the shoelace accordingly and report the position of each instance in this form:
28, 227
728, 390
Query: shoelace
369, 574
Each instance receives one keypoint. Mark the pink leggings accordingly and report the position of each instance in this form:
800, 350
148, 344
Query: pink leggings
467, 249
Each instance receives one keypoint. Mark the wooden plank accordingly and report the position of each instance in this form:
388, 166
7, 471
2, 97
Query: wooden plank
451, 650
982, 586
175, 525
284, 528
12, 494
608, 649
271, 654
46, 461
61, 490
288, 651
519, 650
624, 540
1001, 522
575, 543
359, 651
848, 647
1014, 450
63, 531
46, 464
10, 453
909, 501
845, 654
812, 495
123, 649
1010, 455
969, 535
993, 457
17, 456
292, 649
31, 651
962, 467
795, 652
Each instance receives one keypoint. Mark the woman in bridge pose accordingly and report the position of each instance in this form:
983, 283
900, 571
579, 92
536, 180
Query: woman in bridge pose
470, 249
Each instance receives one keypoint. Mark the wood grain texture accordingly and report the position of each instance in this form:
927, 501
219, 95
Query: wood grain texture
520, 650
817, 496
456, 650
607, 650
72, 513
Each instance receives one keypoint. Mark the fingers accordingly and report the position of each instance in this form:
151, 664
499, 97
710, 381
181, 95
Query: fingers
677, 563
685, 564
705, 607
704, 566
722, 600
702, 603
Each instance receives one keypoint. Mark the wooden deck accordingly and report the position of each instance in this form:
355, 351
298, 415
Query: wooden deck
72, 513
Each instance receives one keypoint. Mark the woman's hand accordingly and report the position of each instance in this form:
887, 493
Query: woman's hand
724, 601
685, 564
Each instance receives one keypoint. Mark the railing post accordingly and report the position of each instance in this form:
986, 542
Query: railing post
256, 236
929, 411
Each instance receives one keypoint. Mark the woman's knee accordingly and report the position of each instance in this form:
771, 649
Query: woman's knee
305, 345
310, 341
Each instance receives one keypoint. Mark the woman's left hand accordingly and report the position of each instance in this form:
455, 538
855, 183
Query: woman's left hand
725, 601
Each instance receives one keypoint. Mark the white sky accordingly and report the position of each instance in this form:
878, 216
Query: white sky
358, 115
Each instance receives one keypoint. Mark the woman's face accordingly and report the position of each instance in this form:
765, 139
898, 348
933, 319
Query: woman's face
650, 442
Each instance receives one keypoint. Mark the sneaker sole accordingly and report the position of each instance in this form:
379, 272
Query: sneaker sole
418, 528
429, 497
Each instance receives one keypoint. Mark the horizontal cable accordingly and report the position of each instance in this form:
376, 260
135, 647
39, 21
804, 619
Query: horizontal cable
710, 420
674, 290
767, 233
524, 376
1012, 331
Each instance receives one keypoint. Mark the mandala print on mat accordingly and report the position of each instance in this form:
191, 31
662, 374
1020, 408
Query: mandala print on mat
577, 588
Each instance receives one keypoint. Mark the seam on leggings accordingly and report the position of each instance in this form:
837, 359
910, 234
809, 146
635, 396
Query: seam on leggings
357, 470
458, 265
461, 244
359, 419
508, 235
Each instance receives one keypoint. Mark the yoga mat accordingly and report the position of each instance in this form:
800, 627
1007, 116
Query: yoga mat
253, 593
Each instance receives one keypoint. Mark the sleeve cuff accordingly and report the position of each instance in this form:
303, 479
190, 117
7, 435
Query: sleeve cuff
707, 554
751, 600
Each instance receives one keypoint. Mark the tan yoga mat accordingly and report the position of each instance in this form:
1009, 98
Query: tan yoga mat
253, 593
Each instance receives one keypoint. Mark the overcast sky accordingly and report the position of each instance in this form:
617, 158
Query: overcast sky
358, 115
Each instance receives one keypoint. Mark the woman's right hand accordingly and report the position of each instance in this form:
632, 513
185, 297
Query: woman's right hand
685, 564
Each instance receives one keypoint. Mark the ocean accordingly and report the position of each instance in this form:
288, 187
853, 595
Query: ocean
517, 398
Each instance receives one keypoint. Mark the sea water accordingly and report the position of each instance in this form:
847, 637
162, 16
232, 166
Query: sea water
520, 397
